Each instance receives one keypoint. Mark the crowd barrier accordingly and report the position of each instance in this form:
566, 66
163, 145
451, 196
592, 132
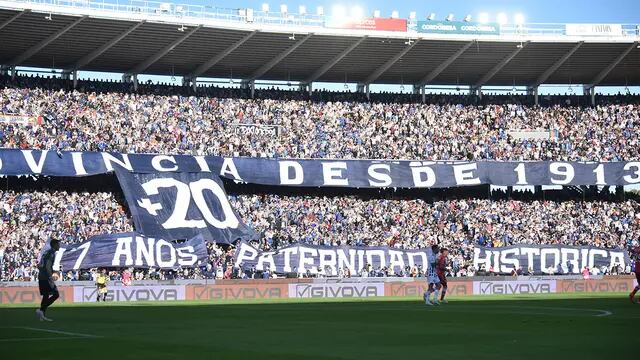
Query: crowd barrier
221, 290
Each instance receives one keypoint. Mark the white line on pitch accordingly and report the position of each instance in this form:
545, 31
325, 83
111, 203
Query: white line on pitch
59, 332
44, 338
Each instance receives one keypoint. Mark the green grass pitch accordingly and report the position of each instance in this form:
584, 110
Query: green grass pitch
508, 327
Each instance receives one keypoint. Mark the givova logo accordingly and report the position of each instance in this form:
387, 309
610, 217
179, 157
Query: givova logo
28, 295
336, 290
514, 287
132, 293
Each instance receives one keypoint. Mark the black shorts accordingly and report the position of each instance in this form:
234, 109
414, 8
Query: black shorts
47, 287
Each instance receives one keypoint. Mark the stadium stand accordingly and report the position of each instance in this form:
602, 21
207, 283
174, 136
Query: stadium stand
67, 113
107, 118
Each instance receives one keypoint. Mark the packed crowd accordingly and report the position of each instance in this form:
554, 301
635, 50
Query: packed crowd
443, 130
30, 218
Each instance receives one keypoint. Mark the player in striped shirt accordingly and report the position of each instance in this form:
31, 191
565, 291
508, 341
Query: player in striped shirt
432, 278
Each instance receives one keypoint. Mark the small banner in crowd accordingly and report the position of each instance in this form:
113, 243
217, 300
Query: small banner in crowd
268, 131
181, 206
547, 259
131, 249
301, 258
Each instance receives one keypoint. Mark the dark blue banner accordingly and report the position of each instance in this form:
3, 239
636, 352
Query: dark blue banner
181, 206
301, 258
326, 172
131, 250
547, 259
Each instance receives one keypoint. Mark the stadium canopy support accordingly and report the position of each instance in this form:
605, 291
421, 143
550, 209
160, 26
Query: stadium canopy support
363, 88
547, 73
444, 65
14, 18
533, 91
488, 76
331, 63
42, 44
273, 62
129, 78
99, 51
603, 74
160, 54
590, 91
382, 69
203, 68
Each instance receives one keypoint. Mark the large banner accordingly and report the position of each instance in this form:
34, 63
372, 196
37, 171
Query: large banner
547, 259
458, 27
380, 24
301, 258
131, 249
181, 206
326, 172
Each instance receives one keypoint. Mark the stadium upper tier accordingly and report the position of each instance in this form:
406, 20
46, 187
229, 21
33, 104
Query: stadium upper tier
37, 118
191, 41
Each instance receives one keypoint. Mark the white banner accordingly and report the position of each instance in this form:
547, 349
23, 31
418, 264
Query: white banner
336, 290
594, 29
131, 293
514, 287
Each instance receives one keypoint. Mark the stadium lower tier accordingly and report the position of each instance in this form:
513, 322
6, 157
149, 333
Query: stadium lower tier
30, 218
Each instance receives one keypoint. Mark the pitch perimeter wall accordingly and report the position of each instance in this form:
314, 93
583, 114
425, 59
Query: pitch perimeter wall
224, 290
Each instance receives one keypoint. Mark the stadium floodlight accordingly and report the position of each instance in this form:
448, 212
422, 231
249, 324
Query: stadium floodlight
338, 12
292, 37
431, 16
302, 9
320, 11
519, 19
502, 18
467, 18
182, 28
265, 7
284, 9
449, 17
483, 18
412, 15
376, 13
357, 12
395, 14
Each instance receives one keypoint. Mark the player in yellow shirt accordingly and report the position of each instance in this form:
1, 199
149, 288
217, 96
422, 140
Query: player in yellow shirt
101, 283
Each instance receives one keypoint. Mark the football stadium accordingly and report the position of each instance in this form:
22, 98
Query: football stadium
304, 180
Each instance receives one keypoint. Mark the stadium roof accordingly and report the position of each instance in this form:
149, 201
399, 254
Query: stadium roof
139, 41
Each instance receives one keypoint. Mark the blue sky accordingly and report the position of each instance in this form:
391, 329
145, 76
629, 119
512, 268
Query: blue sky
534, 11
